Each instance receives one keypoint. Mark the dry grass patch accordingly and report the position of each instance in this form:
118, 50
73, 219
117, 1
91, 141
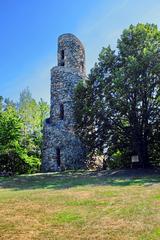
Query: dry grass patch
79, 206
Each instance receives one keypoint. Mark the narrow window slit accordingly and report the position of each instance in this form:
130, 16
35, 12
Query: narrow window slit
61, 111
62, 57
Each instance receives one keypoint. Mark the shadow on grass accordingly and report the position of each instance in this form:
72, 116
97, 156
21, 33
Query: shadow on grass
70, 179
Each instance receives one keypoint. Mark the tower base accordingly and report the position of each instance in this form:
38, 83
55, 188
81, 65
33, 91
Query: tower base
62, 149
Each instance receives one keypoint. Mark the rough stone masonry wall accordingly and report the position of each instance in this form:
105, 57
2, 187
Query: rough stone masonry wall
63, 82
59, 133
74, 54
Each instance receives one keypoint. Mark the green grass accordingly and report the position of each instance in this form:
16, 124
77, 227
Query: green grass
80, 205
67, 217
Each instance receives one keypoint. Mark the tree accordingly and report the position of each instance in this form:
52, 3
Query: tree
43, 110
33, 115
7, 103
123, 92
21, 133
13, 157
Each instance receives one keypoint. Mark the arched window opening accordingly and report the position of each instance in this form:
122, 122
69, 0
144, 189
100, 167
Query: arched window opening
61, 111
58, 156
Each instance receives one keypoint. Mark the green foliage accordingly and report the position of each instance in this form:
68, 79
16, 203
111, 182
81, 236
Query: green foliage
11, 154
121, 103
33, 115
21, 134
10, 129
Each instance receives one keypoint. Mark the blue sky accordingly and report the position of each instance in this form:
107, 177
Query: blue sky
29, 31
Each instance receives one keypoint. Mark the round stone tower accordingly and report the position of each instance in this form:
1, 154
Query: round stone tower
62, 149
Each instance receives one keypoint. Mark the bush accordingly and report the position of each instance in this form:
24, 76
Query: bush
18, 163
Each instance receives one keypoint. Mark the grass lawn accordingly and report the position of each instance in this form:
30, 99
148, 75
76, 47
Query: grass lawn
81, 205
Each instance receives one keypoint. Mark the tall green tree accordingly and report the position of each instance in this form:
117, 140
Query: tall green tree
21, 133
13, 157
33, 115
43, 111
123, 92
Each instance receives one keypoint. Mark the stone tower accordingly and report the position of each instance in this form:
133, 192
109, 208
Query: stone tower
62, 149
